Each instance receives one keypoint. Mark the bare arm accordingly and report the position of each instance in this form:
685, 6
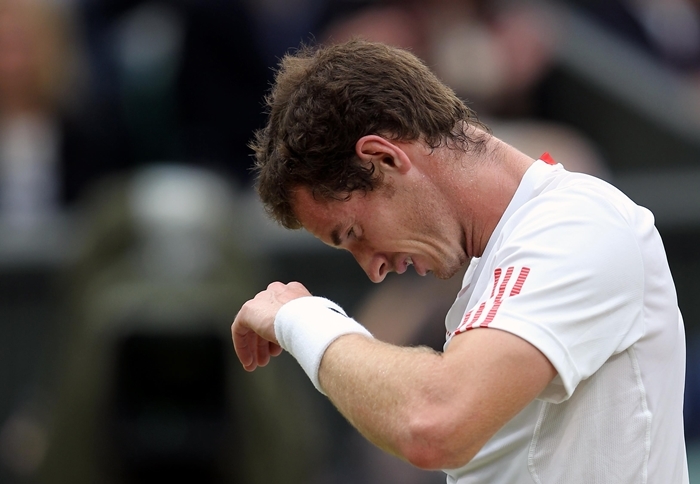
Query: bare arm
435, 410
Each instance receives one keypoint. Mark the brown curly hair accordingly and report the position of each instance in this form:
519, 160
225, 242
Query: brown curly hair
325, 99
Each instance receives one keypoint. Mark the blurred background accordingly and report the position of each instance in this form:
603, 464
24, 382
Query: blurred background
130, 234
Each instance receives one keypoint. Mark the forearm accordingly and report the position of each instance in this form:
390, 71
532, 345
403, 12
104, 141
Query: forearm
435, 410
395, 397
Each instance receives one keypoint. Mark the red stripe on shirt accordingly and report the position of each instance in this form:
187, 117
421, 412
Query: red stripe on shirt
496, 277
469, 321
476, 316
499, 299
520, 281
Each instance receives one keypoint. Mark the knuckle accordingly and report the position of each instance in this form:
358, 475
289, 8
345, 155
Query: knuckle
296, 285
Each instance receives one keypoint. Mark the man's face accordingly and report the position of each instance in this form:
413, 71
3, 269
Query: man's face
388, 229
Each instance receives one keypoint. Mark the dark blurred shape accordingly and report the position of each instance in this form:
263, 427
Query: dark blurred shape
190, 77
220, 88
149, 388
169, 417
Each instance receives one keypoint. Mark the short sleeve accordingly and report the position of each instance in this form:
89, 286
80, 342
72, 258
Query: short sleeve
567, 276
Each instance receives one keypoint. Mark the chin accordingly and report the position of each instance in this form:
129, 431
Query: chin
445, 273
449, 270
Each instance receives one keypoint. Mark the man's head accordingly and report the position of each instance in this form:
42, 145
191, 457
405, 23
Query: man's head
324, 100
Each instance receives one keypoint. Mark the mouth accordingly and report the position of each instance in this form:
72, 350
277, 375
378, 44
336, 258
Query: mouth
403, 265
406, 263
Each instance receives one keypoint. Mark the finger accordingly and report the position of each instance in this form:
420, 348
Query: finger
245, 356
271, 349
275, 349
263, 352
251, 349
242, 344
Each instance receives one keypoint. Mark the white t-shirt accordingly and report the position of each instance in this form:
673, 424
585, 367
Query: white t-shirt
578, 270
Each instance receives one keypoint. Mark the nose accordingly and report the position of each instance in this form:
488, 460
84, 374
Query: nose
375, 265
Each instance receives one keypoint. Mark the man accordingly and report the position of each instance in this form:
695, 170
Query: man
565, 352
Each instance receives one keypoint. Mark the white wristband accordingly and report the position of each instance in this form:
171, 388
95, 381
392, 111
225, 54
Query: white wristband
306, 326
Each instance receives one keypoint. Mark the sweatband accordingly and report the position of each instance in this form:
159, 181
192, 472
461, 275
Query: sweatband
306, 326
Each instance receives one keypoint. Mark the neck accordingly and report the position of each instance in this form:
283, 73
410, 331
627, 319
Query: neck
481, 187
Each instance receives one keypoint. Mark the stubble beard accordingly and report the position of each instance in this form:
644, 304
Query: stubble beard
451, 267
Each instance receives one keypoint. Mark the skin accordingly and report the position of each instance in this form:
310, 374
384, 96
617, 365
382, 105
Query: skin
437, 209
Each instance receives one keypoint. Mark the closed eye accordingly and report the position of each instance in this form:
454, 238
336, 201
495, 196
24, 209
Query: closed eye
335, 236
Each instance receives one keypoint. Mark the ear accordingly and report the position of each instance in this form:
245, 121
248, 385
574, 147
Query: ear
384, 154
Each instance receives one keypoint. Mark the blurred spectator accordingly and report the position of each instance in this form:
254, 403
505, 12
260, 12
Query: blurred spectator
222, 80
190, 77
491, 53
51, 146
54, 143
669, 30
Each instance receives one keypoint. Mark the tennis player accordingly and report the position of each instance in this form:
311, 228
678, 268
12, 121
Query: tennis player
565, 353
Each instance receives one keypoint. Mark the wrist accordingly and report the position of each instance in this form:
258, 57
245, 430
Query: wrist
306, 326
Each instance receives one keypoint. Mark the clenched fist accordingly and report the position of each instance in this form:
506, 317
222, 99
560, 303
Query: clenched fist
253, 330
